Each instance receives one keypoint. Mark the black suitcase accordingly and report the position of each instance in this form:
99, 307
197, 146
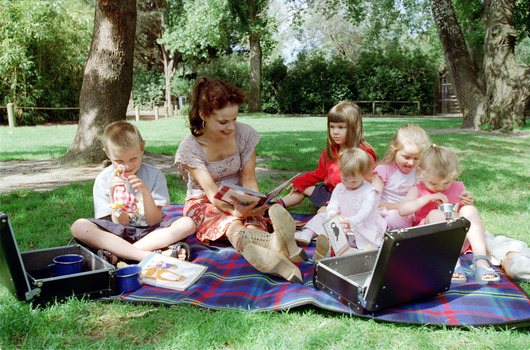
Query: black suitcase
411, 264
26, 274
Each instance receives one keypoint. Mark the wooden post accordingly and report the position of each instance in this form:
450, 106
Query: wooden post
137, 112
373, 107
156, 113
12, 120
167, 111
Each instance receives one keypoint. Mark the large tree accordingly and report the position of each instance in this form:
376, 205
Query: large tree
107, 78
491, 88
256, 24
500, 100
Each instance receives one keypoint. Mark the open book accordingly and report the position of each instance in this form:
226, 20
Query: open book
246, 196
337, 237
171, 273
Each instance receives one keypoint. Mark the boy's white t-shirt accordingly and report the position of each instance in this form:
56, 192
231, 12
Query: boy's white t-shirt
152, 177
397, 183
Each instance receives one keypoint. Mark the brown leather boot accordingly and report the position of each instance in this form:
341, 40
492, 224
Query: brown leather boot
274, 263
284, 225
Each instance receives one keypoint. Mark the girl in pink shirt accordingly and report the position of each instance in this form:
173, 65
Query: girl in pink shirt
437, 171
345, 130
396, 173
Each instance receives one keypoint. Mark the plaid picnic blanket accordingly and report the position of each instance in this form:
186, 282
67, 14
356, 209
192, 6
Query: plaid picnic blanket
231, 283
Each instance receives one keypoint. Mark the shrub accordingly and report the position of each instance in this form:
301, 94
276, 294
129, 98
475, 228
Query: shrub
395, 74
148, 88
42, 49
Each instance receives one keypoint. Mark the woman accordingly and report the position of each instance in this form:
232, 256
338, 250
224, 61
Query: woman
221, 149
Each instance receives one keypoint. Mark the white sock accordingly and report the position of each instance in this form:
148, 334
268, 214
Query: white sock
304, 235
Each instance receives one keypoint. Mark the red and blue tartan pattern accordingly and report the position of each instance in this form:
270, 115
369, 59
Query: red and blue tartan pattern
231, 283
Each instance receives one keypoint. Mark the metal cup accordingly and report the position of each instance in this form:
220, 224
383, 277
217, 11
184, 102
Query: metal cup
66, 265
448, 209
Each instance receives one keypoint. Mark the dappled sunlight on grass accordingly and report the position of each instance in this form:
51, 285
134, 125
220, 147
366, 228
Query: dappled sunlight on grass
495, 171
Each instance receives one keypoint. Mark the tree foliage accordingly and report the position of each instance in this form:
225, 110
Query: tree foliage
201, 30
42, 51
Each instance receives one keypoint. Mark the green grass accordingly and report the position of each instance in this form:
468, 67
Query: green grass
495, 171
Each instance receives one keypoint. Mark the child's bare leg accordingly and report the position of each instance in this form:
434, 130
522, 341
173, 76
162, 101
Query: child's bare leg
475, 235
322, 209
292, 199
96, 238
161, 238
435, 216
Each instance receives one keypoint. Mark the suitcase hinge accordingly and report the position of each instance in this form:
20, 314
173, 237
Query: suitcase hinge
32, 293
361, 300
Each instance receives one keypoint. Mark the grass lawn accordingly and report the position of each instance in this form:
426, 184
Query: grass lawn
495, 172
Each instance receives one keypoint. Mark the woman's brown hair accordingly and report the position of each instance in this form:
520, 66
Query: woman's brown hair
209, 95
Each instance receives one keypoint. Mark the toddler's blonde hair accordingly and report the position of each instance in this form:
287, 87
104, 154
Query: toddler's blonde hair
355, 162
409, 134
122, 136
439, 161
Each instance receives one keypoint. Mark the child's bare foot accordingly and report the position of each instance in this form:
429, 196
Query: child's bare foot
459, 275
482, 270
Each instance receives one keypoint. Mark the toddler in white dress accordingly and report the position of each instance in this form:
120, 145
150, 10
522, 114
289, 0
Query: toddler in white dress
356, 202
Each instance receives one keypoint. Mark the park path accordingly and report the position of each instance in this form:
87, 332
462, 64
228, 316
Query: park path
47, 174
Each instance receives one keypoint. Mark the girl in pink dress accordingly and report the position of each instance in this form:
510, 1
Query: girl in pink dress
345, 130
356, 201
396, 173
437, 171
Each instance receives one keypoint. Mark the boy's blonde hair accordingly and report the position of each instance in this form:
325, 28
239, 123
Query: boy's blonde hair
122, 136
355, 162
349, 113
409, 134
439, 161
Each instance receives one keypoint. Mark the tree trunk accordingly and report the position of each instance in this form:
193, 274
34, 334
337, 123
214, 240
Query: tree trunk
470, 96
254, 84
169, 71
507, 84
107, 78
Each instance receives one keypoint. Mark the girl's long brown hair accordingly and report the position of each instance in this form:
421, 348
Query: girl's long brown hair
349, 113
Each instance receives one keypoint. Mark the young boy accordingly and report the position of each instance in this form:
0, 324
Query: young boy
118, 234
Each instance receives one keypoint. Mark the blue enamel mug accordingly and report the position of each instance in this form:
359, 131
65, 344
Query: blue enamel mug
129, 278
66, 265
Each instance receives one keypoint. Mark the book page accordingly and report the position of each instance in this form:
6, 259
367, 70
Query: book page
171, 273
242, 195
337, 237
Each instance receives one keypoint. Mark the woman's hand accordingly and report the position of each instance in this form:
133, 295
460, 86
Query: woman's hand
244, 211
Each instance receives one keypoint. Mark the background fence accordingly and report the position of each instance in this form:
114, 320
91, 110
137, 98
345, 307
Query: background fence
375, 107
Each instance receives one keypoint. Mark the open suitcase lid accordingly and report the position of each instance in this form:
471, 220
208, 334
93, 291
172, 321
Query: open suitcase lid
414, 263
12, 272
